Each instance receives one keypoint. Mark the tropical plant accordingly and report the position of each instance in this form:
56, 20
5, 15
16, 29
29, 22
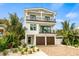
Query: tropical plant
30, 51
37, 49
24, 45
3, 44
68, 33
15, 32
22, 52
5, 52
16, 28
26, 49
15, 50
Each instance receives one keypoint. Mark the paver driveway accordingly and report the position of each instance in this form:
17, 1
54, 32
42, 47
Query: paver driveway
60, 50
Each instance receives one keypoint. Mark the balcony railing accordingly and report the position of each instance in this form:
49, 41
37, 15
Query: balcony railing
39, 19
47, 32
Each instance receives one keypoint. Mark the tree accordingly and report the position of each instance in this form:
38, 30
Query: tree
68, 33
16, 28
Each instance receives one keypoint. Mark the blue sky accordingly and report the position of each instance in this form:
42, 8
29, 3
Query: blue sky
64, 11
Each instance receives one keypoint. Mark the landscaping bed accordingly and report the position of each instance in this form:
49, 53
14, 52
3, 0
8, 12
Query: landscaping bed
21, 50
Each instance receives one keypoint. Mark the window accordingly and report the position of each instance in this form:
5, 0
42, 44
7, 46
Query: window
32, 26
45, 29
33, 17
1, 33
47, 18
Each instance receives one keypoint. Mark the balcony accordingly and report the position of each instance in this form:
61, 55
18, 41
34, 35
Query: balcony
43, 19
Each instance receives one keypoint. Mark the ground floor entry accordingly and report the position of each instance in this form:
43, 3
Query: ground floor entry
40, 40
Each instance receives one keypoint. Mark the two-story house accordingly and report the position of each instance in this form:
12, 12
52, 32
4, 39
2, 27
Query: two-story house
39, 26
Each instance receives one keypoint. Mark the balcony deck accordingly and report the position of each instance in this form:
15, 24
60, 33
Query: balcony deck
39, 19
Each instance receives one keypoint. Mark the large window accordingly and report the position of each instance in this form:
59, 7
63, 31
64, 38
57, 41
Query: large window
45, 29
33, 17
32, 26
47, 18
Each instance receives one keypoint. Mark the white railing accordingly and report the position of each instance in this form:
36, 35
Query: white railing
39, 18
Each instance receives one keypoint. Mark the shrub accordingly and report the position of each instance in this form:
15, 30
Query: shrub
20, 48
24, 45
33, 49
5, 52
22, 52
11, 40
3, 44
76, 45
15, 50
32, 46
30, 51
26, 49
37, 49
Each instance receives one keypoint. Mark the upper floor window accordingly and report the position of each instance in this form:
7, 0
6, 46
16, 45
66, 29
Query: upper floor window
45, 29
32, 26
33, 17
47, 18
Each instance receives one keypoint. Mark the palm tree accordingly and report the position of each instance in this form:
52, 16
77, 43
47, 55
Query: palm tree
16, 27
65, 31
68, 32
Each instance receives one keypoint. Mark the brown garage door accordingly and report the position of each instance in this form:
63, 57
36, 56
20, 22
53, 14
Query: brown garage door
40, 40
50, 40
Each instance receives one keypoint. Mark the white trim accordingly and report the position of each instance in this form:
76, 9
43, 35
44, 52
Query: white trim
35, 40
25, 37
53, 12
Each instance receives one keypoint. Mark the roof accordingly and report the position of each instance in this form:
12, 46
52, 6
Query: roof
3, 25
42, 9
4, 21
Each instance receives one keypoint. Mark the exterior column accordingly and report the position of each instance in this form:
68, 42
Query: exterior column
41, 15
25, 37
45, 41
34, 40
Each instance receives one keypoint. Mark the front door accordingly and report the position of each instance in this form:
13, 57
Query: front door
29, 40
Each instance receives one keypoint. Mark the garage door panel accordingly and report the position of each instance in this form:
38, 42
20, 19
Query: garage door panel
50, 40
40, 40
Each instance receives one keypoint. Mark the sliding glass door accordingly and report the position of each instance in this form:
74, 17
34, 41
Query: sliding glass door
45, 29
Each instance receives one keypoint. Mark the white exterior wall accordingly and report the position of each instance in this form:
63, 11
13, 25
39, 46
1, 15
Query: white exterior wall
58, 41
2, 28
28, 31
36, 32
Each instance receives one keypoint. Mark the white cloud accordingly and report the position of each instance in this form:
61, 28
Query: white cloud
59, 20
72, 15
